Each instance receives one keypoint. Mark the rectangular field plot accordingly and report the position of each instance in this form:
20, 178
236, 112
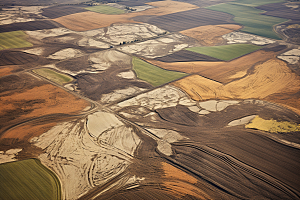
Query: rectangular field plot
14, 39
226, 52
29, 26
152, 74
28, 179
106, 10
185, 56
53, 76
251, 18
59, 11
280, 10
188, 19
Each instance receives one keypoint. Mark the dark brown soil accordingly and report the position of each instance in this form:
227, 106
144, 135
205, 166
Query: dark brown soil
186, 56
188, 19
280, 10
16, 58
29, 26
59, 11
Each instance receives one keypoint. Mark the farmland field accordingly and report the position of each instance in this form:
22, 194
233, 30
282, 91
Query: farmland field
152, 74
226, 52
29, 26
53, 75
14, 39
28, 179
158, 100
106, 10
251, 19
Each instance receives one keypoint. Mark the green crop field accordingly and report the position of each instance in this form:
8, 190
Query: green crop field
250, 17
53, 75
226, 52
152, 74
254, 3
106, 10
28, 179
14, 39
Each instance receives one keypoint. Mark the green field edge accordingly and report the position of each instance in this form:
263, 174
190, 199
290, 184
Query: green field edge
183, 75
54, 76
104, 9
275, 35
14, 40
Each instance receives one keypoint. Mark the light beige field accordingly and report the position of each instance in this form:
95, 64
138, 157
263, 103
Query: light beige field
90, 20
210, 35
272, 77
220, 71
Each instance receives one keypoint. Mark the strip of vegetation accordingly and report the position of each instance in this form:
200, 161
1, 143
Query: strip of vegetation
13, 39
226, 52
106, 10
152, 74
28, 179
273, 126
250, 17
53, 75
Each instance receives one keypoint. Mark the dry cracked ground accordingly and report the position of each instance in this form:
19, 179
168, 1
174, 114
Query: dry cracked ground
224, 130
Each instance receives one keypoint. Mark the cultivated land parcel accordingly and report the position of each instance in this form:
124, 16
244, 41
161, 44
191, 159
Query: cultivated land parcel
149, 99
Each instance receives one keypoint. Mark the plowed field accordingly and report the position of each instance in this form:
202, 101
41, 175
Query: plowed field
90, 20
210, 35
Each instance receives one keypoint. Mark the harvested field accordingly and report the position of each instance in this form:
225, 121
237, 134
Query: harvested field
159, 47
103, 9
268, 78
152, 74
223, 72
180, 21
90, 20
14, 39
23, 97
6, 70
250, 18
54, 76
185, 56
16, 58
95, 163
29, 26
59, 11
226, 52
210, 35
273, 126
119, 33
98, 76
239, 37
28, 179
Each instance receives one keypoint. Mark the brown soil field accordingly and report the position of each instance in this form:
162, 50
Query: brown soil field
228, 159
280, 10
6, 70
223, 72
29, 26
272, 77
24, 97
188, 19
16, 58
90, 20
185, 56
210, 35
59, 11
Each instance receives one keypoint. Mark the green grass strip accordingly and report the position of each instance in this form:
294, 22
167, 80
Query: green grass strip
106, 10
226, 52
154, 75
14, 39
250, 17
53, 75
28, 179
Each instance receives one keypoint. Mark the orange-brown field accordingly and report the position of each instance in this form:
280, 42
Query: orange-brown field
6, 70
91, 20
272, 77
210, 35
220, 71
